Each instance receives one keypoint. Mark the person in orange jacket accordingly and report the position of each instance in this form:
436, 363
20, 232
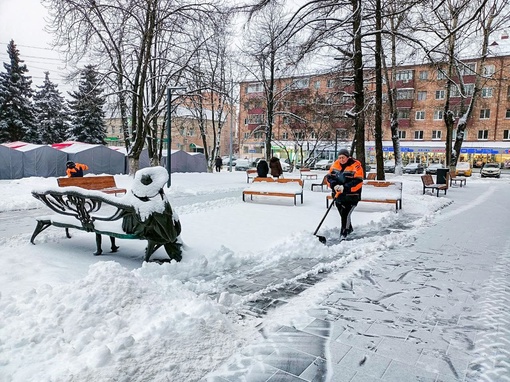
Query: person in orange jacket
345, 177
75, 169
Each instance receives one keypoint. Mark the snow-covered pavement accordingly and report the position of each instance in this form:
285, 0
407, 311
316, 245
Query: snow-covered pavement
253, 281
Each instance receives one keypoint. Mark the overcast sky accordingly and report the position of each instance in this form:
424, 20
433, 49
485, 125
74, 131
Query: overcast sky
23, 21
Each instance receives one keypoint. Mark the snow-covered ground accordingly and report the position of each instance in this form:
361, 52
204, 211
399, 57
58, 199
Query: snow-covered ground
67, 315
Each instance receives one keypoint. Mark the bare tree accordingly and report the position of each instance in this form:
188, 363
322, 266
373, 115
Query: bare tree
144, 47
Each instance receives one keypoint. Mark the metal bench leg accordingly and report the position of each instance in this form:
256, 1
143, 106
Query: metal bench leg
114, 247
41, 226
99, 251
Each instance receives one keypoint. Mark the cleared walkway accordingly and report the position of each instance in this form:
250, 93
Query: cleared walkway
438, 310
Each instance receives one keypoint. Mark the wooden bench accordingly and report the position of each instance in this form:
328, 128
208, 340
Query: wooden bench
275, 187
321, 184
428, 184
379, 191
306, 173
457, 179
118, 219
103, 183
372, 176
251, 174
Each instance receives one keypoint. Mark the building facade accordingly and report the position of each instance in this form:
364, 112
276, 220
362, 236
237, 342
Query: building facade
312, 114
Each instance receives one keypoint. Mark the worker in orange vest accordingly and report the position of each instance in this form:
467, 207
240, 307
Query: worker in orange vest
75, 169
345, 177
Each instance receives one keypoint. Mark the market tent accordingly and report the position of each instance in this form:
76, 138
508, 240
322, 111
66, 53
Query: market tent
11, 163
181, 161
42, 160
99, 158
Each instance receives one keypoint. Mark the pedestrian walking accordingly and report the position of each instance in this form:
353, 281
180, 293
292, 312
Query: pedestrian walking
276, 167
218, 162
75, 170
345, 177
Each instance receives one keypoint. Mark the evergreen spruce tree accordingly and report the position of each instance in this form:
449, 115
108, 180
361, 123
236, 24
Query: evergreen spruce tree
87, 115
53, 119
17, 114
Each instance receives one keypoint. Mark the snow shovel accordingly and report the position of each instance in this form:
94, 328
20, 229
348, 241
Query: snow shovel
321, 238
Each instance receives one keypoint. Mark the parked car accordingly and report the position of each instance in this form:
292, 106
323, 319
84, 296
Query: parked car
491, 170
285, 165
432, 168
389, 166
413, 168
243, 164
226, 160
324, 164
463, 169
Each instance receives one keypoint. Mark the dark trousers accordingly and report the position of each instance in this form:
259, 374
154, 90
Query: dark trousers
218, 168
345, 209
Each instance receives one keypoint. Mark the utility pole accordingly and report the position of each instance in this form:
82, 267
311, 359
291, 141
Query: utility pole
169, 130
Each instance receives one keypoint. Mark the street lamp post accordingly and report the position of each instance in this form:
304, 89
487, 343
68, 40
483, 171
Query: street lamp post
169, 129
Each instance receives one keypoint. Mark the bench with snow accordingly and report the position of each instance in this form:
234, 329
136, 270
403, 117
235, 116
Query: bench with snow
142, 214
251, 174
322, 184
287, 187
103, 183
379, 191
428, 184
306, 173
457, 179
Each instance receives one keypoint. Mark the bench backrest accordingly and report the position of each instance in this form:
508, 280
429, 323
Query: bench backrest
290, 180
251, 171
305, 169
382, 183
371, 175
88, 182
427, 179
260, 179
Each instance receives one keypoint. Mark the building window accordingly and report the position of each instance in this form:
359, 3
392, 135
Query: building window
254, 88
285, 136
486, 92
405, 93
507, 115
313, 135
403, 113
299, 135
404, 75
246, 135
401, 134
508, 92
436, 134
424, 75
483, 135
485, 113
302, 83
286, 120
317, 84
420, 115
258, 135
418, 134
468, 69
506, 135
469, 89
441, 75
330, 83
440, 94
255, 119
438, 115
422, 96
489, 70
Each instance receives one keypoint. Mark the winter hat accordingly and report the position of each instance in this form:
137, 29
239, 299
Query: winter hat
344, 152
70, 164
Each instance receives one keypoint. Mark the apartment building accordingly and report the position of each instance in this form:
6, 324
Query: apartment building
185, 130
311, 112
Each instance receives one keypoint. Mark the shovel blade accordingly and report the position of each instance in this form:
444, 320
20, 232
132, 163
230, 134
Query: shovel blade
322, 239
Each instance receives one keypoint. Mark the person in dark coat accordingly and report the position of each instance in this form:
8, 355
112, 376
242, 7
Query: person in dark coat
345, 177
218, 162
276, 167
262, 168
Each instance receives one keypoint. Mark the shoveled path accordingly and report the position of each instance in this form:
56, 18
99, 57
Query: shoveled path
436, 311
